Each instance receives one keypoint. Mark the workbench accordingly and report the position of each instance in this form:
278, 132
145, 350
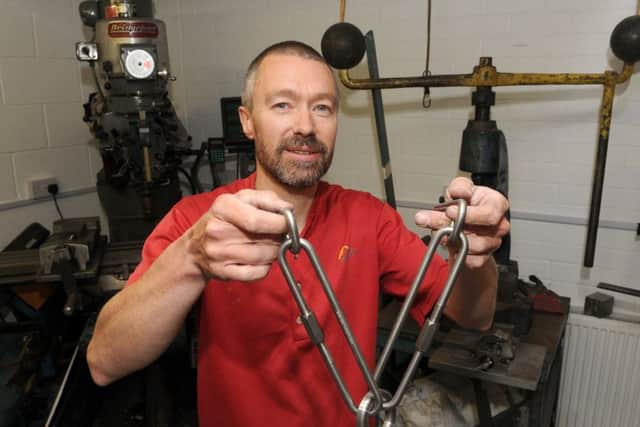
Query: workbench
535, 368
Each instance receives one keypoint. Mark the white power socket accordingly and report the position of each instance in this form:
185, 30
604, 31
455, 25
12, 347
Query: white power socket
39, 186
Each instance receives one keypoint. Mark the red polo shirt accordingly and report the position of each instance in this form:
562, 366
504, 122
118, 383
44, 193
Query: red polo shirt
256, 364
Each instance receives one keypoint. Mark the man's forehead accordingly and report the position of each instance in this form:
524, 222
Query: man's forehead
278, 76
280, 64
278, 57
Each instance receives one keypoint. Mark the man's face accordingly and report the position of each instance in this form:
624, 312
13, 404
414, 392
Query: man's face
293, 119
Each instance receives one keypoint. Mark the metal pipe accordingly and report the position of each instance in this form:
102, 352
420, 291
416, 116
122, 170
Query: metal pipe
485, 75
620, 289
381, 127
63, 385
599, 169
538, 217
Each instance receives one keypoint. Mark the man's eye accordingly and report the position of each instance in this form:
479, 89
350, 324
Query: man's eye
281, 106
323, 108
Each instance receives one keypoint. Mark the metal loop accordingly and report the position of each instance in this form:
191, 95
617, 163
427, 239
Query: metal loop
294, 234
430, 326
311, 324
458, 223
365, 410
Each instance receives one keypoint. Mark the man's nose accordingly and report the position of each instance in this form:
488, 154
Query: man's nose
304, 122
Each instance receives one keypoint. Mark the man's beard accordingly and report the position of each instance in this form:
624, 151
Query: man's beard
295, 173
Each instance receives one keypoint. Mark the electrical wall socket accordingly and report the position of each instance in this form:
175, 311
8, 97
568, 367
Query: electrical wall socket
39, 186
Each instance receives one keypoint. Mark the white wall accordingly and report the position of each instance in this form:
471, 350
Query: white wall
551, 131
41, 128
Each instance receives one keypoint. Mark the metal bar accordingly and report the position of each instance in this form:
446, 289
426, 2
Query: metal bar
381, 127
620, 289
538, 217
400, 82
54, 407
404, 310
599, 169
485, 76
431, 325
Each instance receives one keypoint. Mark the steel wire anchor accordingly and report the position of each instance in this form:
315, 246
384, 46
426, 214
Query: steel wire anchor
429, 328
309, 320
376, 402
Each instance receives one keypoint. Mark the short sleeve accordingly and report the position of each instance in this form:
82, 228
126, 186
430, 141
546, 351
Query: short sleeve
169, 229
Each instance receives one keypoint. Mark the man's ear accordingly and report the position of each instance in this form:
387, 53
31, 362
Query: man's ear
246, 121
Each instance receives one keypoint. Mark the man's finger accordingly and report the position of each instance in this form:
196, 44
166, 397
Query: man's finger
484, 245
476, 261
489, 230
484, 214
432, 219
250, 254
252, 212
265, 200
245, 273
460, 188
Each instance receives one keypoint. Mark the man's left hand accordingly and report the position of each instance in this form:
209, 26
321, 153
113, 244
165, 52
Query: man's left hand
485, 222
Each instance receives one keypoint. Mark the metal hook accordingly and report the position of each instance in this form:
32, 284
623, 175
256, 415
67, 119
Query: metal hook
365, 411
458, 223
294, 234
426, 97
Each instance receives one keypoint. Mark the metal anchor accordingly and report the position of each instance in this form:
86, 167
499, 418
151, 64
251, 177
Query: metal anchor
377, 401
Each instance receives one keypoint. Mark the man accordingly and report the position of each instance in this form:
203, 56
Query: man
256, 364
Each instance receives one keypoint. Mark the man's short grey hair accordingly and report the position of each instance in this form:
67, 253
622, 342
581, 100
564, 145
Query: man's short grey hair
289, 47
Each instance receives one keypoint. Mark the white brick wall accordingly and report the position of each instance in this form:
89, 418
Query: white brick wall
551, 131
41, 128
22, 128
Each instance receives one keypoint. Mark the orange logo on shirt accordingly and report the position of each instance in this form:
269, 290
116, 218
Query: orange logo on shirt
345, 253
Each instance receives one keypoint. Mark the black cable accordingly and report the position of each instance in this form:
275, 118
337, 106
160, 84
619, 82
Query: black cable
190, 179
426, 97
53, 189
55, 202
428, 53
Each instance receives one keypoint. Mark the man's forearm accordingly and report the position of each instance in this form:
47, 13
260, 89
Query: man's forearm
473, 298
137, 325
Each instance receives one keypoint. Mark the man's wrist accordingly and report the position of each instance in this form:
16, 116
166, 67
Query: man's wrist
184, 256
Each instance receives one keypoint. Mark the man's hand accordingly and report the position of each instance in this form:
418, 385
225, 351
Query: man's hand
239, 236
485, 222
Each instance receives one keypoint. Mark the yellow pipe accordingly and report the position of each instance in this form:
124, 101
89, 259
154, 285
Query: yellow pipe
485, 75
606, 106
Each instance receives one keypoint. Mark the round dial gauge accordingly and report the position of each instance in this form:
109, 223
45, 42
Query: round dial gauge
140, 64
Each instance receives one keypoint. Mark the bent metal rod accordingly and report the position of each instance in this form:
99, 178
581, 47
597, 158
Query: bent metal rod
377, 402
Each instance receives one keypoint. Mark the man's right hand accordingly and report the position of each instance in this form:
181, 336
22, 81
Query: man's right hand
239, 236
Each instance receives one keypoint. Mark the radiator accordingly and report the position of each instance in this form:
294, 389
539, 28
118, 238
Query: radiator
600, 380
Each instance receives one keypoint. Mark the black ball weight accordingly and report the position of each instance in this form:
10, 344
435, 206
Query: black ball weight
343, 45
625, 39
